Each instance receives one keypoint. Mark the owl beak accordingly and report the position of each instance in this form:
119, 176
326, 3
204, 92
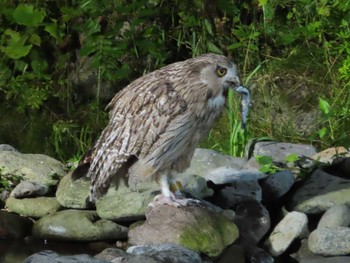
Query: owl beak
245, 103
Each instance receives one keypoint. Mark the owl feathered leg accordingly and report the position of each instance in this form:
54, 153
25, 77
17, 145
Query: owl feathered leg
167, 197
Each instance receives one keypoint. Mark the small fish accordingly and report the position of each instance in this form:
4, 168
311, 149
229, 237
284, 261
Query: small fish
245, 103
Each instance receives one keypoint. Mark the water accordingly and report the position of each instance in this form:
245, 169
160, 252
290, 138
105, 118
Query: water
16, 251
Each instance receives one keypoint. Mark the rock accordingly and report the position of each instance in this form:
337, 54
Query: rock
124, 204
238, 192
166, 253
73, 194
193, 227
48, 256
333, 241
320, 192
337, 215
304, 255
116, 255
6, 147
232, 252
328, 155
29, 189
292, 226
276, 185
33, 207
258, 255
280, 150
14, 226
195, 185
219, 168
31, 167
253, 222
76, 225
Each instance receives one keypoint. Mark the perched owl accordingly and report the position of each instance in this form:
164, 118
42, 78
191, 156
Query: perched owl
157, 121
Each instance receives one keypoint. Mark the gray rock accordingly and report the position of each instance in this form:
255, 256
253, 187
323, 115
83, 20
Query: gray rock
77, 225
333, 241
276, 185
237, 192
116, 255
14, 226
219, 168
258, 255
31, 167
7, 147
33, 207
29, 189
320, 192
292, 226
280, 150
166, 253
304, 255
193, 227
253, 222
48, 256
337, 215
73, 194
328, 155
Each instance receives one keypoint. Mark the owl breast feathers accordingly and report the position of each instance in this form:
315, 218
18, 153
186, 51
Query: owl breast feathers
157, 121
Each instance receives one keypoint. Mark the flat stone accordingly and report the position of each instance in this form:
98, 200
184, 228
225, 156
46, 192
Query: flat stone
77, 225
48, 256
278, 151
33, 207
333, 241
328, 155
292, 226
276, 185
32, 167
193, 227
320, 192
116, 255
337, 215
29, 189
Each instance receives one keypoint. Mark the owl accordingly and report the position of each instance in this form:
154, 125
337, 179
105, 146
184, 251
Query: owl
157, 121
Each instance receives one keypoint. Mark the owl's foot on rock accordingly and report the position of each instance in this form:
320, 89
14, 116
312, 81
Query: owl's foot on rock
173, 200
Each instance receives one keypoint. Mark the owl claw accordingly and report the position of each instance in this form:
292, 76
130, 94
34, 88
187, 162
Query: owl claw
161, 199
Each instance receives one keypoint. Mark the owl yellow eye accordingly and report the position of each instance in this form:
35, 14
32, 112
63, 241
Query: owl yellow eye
221, 71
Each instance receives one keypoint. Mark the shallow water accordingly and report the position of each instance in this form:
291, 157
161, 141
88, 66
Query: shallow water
16, 251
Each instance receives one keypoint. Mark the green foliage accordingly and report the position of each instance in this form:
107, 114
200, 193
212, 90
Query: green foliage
267, 165
61, 62
8, 181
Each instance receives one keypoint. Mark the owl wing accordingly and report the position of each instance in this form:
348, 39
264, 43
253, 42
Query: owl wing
140, 118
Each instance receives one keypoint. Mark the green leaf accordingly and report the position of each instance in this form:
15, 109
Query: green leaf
52, 30
35, 40
16, 51
28, 16
213, 48
322, 132
264, 160
292, 158
324, 106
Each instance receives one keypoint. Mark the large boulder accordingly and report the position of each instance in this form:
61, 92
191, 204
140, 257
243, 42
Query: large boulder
193, 227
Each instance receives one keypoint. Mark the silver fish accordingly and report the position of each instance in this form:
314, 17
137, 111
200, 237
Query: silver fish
245, 103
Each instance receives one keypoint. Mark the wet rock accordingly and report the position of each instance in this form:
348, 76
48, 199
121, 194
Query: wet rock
337, 215
238, 192
29, 189
276, 185
333, 241
280, 150
14, 226
193, 227
166, 253
77, 225
33, 207
116, 255
292, 226
32, 167
48, 256
320, 192
253, 222
258, 255
73, 194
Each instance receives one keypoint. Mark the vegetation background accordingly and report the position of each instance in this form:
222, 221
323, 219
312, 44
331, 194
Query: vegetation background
62, 61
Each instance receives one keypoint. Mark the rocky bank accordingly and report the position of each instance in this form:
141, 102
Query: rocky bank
300, 212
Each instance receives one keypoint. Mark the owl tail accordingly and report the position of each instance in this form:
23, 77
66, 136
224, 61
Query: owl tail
83, 166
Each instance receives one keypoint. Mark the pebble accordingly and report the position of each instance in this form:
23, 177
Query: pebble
337, 215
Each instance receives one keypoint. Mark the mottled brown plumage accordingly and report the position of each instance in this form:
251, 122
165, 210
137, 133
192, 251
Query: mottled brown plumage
157, 121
